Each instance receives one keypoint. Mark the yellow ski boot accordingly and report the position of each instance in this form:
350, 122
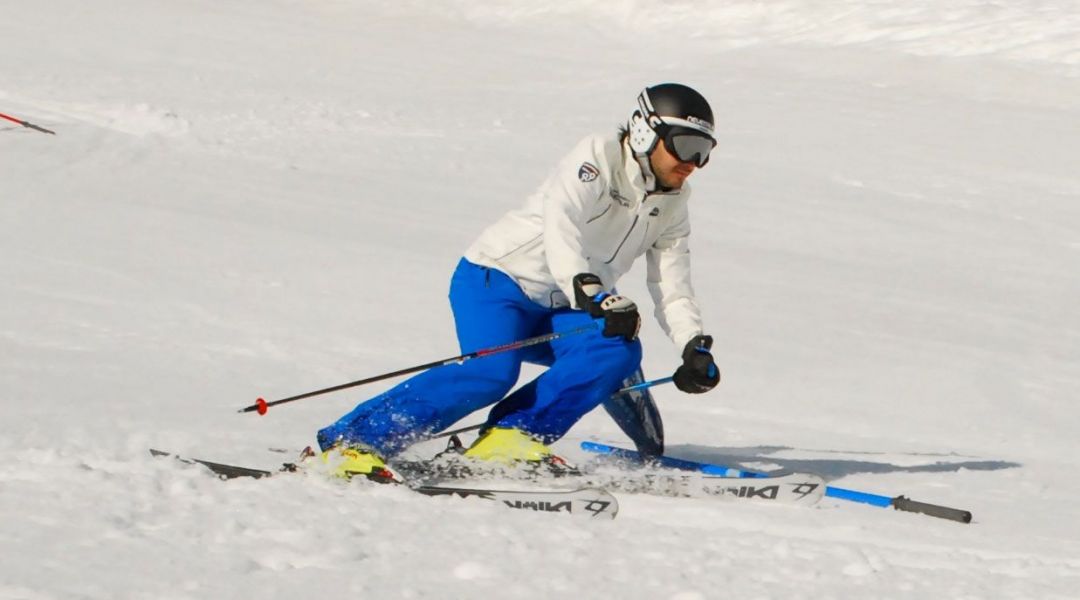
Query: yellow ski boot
514, 447
348, 461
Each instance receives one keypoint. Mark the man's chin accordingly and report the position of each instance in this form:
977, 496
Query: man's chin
674, 182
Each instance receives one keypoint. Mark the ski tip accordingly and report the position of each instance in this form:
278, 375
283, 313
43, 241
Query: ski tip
602, 503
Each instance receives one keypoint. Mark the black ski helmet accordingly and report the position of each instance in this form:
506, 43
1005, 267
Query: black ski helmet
664, 106
678, 115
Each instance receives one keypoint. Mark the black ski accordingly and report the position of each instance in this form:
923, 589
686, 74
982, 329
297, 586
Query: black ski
586, 502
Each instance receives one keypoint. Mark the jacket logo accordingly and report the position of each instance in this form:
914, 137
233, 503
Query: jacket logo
654, 212
588, 172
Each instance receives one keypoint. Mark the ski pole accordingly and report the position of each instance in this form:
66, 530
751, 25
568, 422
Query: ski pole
898, 502
26, 124
629, 388
644, 384
261, 405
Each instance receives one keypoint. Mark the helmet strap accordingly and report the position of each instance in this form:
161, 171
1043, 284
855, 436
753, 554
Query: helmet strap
643, 137
646, 172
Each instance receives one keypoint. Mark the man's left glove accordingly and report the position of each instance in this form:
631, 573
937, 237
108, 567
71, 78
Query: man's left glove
698, 373
619, 312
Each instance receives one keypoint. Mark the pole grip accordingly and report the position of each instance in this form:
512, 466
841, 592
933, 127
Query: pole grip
933, 510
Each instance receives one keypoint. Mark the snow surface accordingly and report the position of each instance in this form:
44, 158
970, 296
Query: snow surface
265, 197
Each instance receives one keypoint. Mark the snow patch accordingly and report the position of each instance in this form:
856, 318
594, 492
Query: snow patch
1045, 31
136, 119
474, 570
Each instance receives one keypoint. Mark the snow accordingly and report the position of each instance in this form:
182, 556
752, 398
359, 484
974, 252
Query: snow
264, 198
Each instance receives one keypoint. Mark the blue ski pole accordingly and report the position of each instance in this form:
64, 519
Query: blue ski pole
898, 502
644, 384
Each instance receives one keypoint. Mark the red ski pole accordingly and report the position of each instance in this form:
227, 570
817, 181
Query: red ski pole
262, 405
26, 124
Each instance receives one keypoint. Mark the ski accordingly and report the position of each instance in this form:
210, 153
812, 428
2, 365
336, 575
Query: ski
794, 488
585, 502
224, 471
695, 479
667, 477
901, 503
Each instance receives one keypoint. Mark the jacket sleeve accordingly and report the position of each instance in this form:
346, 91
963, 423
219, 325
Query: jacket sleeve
569, 195
668, 279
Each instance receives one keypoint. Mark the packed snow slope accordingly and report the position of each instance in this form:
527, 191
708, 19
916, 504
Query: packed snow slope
267, 197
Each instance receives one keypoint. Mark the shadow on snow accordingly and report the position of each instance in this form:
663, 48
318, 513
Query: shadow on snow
831, 468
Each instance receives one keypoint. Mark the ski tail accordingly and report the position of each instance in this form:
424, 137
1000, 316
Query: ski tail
222, 470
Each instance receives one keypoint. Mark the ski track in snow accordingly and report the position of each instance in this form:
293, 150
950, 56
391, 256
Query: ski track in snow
264, 536
261, 198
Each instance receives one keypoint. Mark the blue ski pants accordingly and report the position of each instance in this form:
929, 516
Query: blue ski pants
490, 310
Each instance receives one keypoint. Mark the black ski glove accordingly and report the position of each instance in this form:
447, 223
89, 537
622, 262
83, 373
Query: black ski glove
698, 373
620, 314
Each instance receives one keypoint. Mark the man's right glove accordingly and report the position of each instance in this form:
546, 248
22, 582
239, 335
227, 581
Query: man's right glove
619, 312
698, 372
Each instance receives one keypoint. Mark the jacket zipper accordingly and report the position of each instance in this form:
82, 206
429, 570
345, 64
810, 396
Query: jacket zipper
625, 237
632, 225
599, 215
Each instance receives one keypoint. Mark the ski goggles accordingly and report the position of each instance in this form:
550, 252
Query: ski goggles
689, 145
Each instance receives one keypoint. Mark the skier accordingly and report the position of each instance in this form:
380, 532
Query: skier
552, 265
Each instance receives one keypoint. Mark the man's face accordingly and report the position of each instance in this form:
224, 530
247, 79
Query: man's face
669, 170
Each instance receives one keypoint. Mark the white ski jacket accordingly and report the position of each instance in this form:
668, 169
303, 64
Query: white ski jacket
593, 215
